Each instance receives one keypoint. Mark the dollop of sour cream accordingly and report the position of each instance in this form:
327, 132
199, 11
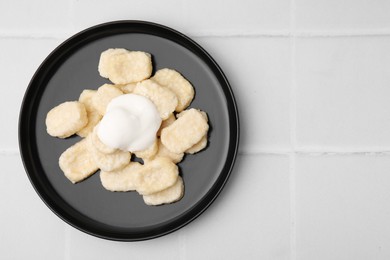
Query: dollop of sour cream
130, 123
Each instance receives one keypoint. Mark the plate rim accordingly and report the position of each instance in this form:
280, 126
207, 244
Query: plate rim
234, 126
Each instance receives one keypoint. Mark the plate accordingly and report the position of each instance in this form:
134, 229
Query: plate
87, 206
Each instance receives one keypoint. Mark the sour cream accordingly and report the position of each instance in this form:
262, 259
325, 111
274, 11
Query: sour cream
130, 123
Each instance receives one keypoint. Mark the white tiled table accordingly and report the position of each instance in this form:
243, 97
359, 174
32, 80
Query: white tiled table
312, 81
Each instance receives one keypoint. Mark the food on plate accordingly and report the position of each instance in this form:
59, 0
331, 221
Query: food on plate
130, 124
203, 142
127, 88
177, 84
202, 112
124, 179
137, 116
148, 153
156, 175
122, 66
164, 152
86, 98
166, 122
169, 195
66, 119
186, 131
164, 99
104, 95
77, 162
108, 161
199, 146
92, 114
96, 143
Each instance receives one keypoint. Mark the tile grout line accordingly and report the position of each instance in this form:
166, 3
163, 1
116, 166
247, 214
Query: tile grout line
9, 152
287, 152
36, 35
182, 245
292, 187
67, 242
319, 152
293, 136
296, 33
72, 14
249, 35
341, 34
264, 34
315, 153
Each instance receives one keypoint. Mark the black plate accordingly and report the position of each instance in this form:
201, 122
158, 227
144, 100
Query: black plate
72, 67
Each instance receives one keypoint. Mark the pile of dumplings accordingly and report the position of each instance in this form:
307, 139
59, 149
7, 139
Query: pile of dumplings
183, 130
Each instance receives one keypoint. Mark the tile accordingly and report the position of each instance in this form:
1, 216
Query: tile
44, 16
18, 68
343, 93
250, 219
265, 177
237, 17
258, 70
349, 15
83, 246
89, 13
29, 230
342, 207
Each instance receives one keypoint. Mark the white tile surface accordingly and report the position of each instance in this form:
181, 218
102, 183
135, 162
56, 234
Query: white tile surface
343, 209
28, 17
325, 90
193, 17
29, 230
237, 17
343, 92
250, 219
259, 72
347, 15
89, 12
18, 68
256, 198
83, 246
